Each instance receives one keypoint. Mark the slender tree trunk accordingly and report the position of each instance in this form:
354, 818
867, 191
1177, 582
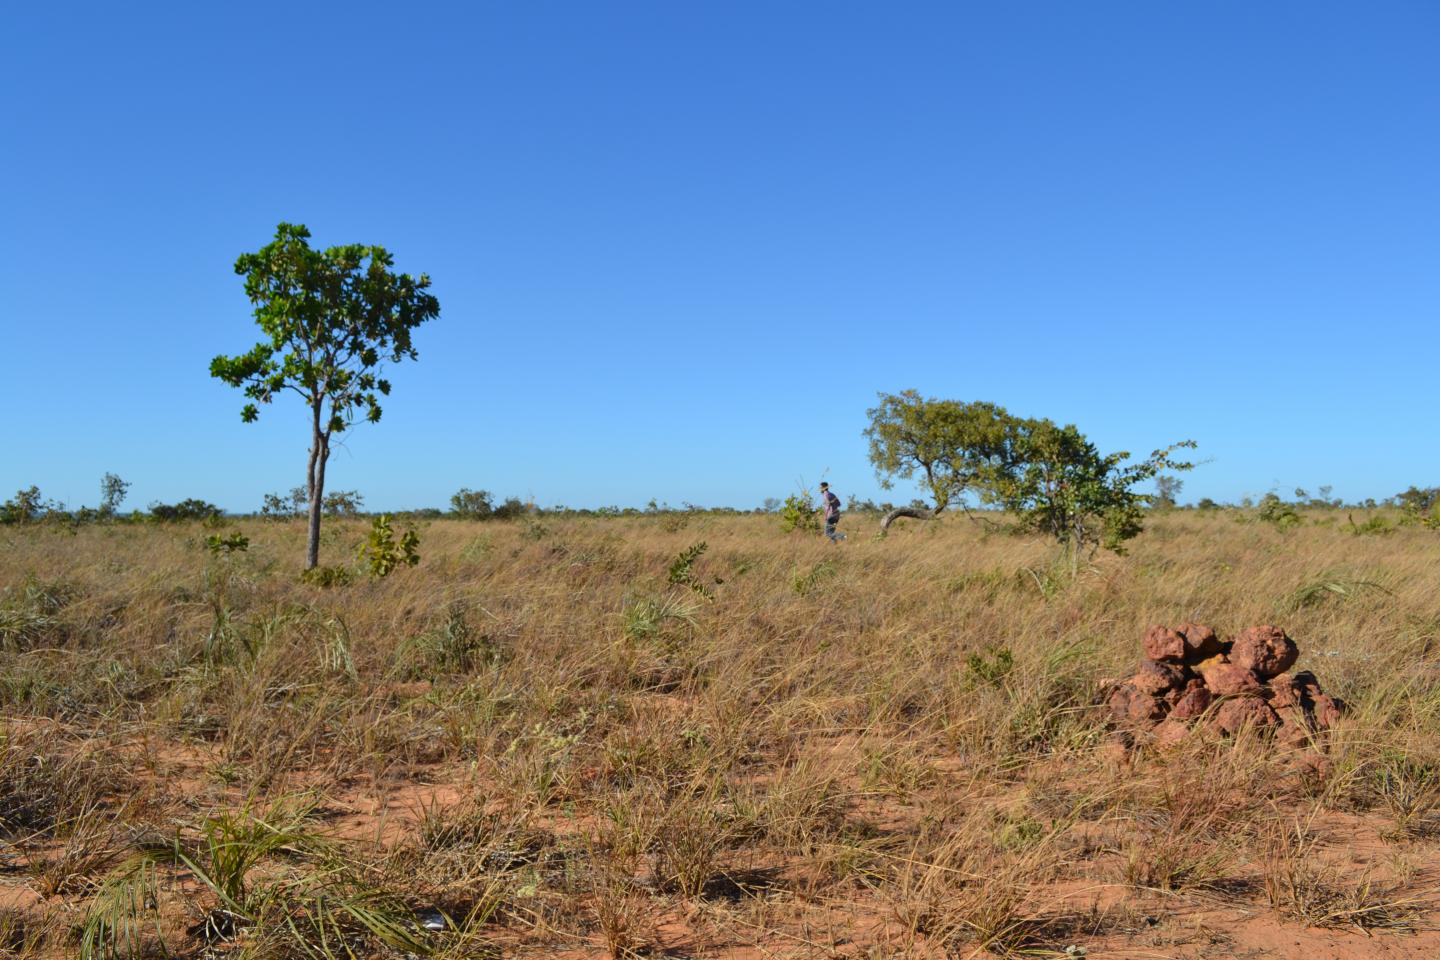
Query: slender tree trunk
315, 487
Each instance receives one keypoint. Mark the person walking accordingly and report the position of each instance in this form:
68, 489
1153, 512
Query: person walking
832, 512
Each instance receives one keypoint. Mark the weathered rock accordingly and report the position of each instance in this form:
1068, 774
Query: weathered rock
1315, 765
1295, 728
1284, 691
1265, 650
1202, 665
1191, 701
1173, 695
1229, 679
1327, 710
1131, 705
1190, 674
1155, 678
1200, 641
1162, 643
1243, 713
1171, 733
1292, 737
1188, 643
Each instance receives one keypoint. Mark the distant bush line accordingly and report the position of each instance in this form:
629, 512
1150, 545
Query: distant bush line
1416, 505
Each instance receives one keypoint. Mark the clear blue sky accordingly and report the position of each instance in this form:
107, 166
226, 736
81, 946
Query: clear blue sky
680, 246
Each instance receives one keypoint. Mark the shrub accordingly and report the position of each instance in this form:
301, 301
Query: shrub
1376, 525
236, 542
674, 521
1058, 483
343, 503
1418, 500
26, 507
284, 506
512, 507
326, 577
1277, 513
682, 574
472, 504
381, 551
1420, 506
797, 515
191, 509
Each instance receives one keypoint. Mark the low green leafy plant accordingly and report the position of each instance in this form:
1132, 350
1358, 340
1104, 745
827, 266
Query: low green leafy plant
326, 577
682, 572
235, 542
1373, 526
383, 553
798, 516
989, 668
1277, 513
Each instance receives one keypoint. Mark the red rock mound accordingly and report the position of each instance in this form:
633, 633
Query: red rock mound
1192, 680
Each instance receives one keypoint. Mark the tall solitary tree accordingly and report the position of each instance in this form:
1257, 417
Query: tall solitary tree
331, 319
1167, 491
112, 494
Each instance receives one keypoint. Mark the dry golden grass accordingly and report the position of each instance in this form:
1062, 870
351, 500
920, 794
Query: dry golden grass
537, 742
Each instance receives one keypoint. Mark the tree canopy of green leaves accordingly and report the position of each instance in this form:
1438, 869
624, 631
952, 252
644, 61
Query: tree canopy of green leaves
472, 504
1167, 491
1050, 478
112, 493
1419, 501
1057, 482
26, 506
946, 443
188, 509
330, 319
